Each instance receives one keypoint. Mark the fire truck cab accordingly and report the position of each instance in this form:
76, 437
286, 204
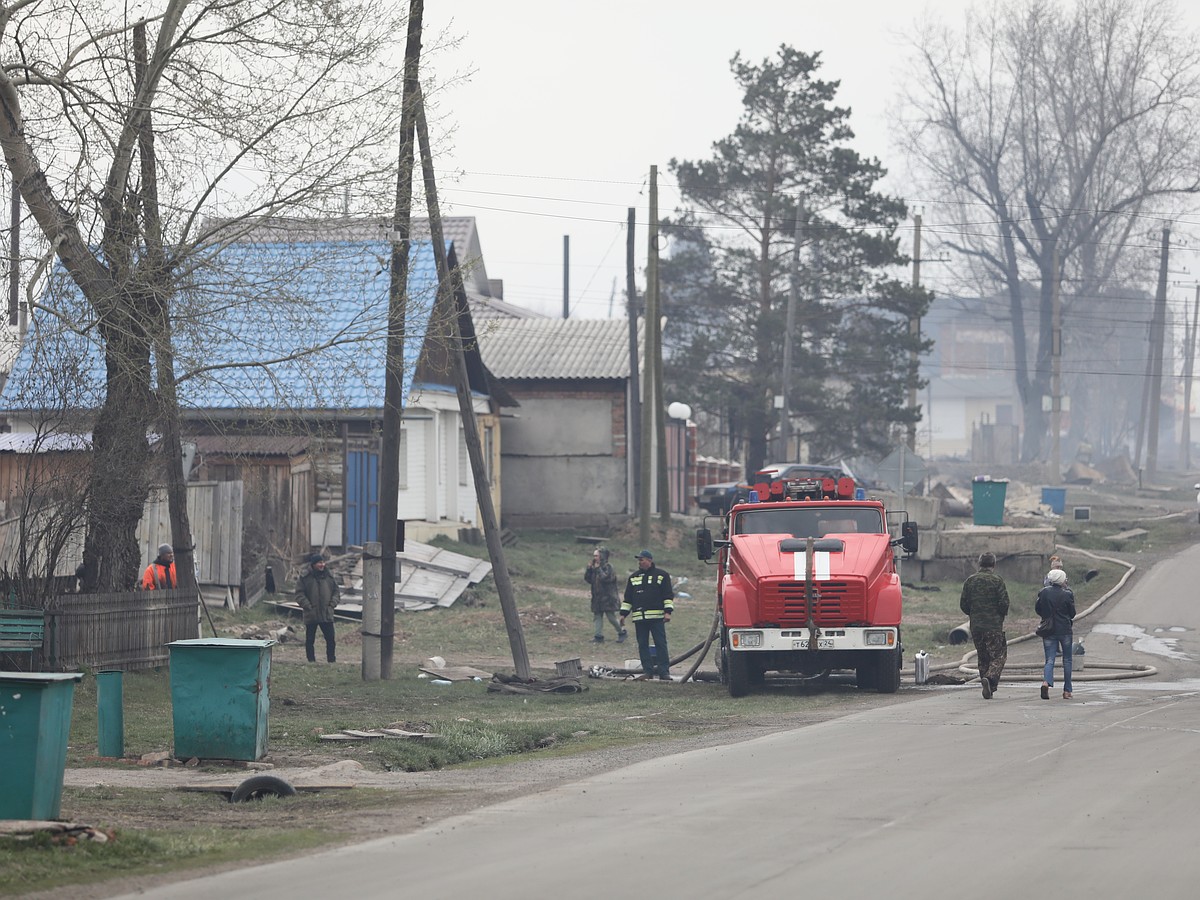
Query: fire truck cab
808, 583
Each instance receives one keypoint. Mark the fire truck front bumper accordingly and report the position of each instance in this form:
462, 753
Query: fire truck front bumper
784, 639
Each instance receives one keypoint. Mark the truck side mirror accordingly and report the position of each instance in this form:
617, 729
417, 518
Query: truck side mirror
909, 539
704, 544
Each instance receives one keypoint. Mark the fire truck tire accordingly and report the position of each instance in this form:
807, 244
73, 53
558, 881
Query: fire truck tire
865, 676
737, 673
887, 676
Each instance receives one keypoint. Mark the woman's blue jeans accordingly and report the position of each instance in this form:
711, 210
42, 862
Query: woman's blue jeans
1051, 646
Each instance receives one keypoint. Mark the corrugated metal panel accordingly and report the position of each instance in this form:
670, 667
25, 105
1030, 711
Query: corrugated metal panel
250, 444
556, 348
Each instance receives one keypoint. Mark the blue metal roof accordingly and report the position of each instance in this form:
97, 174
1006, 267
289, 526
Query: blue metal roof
265, 325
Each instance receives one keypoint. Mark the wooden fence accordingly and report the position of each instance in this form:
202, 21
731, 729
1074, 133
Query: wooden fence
215, 513
117, 631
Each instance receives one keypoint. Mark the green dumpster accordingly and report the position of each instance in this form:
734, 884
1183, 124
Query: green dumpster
987, 499
35, 721
220, 697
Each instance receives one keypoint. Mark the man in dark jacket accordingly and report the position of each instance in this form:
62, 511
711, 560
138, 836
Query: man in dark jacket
985, 600
605, 600
649, 598
317, 594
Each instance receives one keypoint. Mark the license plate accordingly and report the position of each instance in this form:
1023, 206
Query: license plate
822, 644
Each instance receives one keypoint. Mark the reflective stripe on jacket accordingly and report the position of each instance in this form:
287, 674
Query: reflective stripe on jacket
648, 595
158, 577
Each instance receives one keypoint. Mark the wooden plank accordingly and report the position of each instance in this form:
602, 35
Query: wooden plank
458, 673
1128, 535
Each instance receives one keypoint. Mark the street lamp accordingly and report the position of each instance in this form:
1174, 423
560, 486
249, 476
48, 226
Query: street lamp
680, 413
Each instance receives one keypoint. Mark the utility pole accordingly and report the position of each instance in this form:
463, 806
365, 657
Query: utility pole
566, 276
448, 285
914, 333
1157, 332
785, 410
378, 648
634, 425
1189, 370
646, 506
1055, 372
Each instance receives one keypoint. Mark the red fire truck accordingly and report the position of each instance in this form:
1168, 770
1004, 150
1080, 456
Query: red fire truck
808, 583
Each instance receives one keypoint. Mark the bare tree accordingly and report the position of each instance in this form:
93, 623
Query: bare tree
1060, 128
138, 168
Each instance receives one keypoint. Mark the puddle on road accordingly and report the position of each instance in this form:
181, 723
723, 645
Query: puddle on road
1143, 642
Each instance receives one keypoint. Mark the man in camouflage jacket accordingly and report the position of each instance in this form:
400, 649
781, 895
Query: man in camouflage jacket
985, 600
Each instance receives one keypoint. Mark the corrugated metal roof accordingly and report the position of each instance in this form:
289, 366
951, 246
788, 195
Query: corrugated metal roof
275, 325
29, 442
556, 348
250, 444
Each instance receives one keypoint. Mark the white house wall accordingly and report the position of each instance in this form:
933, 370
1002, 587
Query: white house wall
435, 447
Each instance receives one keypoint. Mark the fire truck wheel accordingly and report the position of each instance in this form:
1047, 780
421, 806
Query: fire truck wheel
888, 674
864, 676
737, 673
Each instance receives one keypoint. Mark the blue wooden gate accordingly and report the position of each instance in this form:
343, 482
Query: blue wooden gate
362, 497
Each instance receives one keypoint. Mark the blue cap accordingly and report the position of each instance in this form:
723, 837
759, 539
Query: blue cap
645, 554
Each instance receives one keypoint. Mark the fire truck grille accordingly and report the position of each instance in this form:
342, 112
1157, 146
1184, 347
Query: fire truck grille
834, 603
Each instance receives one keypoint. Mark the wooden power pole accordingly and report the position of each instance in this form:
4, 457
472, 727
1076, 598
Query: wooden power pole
633, 427
646, 484
1189, 371
483, 491
1157, 331
914, 332
378, 648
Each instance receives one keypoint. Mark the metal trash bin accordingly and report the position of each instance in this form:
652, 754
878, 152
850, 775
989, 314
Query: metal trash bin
987, 499
220, 697
1055, 498
35, 723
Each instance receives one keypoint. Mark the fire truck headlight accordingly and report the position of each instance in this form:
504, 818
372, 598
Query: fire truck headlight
743, 639
878, 638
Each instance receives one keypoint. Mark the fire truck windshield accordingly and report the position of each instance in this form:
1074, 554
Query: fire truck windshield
803, 523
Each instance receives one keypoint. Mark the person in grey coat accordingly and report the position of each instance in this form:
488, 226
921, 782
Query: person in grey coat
1057, 601
606, 599
317, 593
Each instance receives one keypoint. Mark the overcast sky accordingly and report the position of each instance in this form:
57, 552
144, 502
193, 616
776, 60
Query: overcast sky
571, 103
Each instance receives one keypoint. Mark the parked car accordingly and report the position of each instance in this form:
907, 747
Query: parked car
776, 471
717, 498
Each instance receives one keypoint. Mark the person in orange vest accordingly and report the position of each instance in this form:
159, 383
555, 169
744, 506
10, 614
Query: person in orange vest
160, 574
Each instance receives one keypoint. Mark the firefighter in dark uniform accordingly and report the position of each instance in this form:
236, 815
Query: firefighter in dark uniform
649, 599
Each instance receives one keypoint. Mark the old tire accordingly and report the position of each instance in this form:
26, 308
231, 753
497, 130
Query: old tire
261, 786
737, 669
887, 676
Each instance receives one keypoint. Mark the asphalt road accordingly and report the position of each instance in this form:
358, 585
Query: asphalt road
947, 796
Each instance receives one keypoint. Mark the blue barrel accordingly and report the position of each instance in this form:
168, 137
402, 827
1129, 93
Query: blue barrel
1055, 498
